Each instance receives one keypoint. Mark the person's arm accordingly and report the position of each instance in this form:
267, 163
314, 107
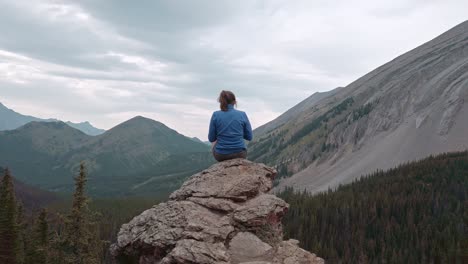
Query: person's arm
248, 135
212, 130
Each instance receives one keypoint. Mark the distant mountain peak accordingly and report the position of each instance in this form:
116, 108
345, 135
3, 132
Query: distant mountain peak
87, 128
140, 118
142, 121
9, 120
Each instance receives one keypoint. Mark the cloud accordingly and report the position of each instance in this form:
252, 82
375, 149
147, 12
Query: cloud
106, 61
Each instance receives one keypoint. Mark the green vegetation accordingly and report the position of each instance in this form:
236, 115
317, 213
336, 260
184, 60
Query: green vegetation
306, 143
37, 250
10, 250
415, 213
321, 120
79, 239
294, 146
363, 110
45, 154
60, 235
113, 213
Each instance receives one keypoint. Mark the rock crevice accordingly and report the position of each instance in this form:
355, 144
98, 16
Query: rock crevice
223, 214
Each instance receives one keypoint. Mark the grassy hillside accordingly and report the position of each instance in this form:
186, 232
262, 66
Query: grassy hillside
139, 157
415, 213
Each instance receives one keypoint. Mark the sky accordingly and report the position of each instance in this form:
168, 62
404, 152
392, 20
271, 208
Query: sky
106, 61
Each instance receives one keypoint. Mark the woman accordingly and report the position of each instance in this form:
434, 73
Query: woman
228, 129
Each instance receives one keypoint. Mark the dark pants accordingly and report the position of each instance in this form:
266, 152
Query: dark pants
223, 157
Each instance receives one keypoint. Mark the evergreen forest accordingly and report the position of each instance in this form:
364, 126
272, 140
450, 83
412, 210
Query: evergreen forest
415, 213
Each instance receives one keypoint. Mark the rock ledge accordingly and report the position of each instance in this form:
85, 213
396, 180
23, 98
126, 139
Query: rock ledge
220, 215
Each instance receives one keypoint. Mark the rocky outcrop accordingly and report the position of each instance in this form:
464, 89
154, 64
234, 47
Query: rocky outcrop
221, 215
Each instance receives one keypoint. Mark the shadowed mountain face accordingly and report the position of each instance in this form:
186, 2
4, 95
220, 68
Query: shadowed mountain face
140, 156
407, 109
10, 120
31, 198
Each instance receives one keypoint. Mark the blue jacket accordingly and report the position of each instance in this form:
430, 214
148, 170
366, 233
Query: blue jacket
229, 128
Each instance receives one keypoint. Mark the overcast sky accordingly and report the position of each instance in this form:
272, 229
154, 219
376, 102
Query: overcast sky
106, 61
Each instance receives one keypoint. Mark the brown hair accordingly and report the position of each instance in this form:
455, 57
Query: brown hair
225, 98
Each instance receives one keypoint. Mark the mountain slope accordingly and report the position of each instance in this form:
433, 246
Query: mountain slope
10, 120
31, 198
294, 111
140, 156
407, 109
36, 151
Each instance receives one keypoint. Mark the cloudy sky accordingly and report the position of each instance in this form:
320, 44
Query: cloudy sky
106, 61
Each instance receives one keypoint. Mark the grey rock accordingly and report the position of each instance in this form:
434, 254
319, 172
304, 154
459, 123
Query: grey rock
162, 226
192, 251
222, 215
290, 253
237, 180
257, 262
246, 246
215, 203
264, 209
262, 216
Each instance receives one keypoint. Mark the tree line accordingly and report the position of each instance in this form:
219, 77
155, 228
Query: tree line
415, 213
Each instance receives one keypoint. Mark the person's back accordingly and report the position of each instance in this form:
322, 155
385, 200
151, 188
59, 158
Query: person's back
228, 129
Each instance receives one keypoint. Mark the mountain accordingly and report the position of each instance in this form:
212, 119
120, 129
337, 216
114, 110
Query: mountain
10, 120
199, 140
409, 108
31, 198
86, 128
140, 156
293, 112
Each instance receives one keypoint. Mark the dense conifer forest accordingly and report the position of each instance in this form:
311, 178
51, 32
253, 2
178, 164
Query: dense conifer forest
415, 213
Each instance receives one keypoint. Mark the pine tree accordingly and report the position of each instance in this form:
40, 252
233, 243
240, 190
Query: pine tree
38, 249
22, 234
81, 244
9, 249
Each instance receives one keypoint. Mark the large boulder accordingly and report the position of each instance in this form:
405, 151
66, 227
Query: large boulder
223, 214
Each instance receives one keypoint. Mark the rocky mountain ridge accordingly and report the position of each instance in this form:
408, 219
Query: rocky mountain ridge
223, 214
407, 109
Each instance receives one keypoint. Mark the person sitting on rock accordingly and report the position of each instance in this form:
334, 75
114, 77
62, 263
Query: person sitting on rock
228, 129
